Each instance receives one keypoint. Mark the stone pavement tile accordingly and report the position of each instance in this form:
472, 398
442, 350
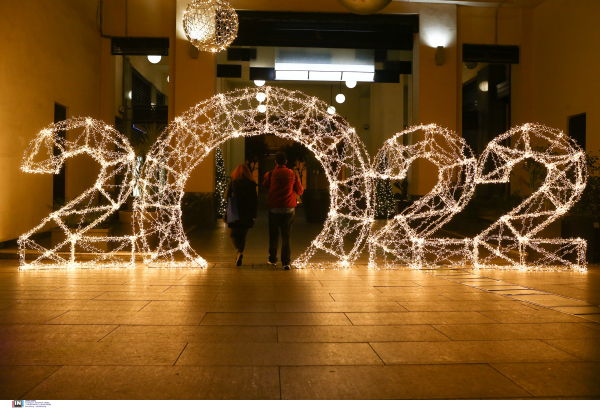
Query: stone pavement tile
465, 381
281, 354
475, 297
548, 380
32, 286
469, 352
275, 297
54, 333
89, 353
591, 325
271, 319
586, 349
191, 306
550, 300
159, 383
16, 381
400, 318
193, 334
181, 296
358, 334
594, 317
517, 331
415, 297
112, 288
507, 287
8, 316
48, 294
518, 292
107, 305
460, 306
338, 307
579, 310
394, 291
394, 286
4, 304
139, 318
530, 316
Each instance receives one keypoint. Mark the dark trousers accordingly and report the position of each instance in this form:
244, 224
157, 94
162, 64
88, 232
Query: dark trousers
280, 223
238, 238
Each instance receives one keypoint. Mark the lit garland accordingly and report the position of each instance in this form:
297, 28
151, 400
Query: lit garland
288, 114
516, 231
383, 197
116, 157
220, 181
210, 25
406, 239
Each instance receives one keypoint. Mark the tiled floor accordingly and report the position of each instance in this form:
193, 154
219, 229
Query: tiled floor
259, 332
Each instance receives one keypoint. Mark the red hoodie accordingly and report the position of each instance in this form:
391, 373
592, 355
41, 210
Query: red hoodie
282, 187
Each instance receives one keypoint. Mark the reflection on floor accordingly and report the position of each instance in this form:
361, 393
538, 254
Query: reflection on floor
259, 332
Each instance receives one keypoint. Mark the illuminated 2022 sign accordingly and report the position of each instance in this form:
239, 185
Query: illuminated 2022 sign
406, 240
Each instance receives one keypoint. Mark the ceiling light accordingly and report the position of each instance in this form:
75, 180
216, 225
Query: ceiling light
358, 76
340, 98
351, 84
211, 25
262, 108
484, 86
291, 75
167, 78
155, 59
261, 96
293, 66
259, 82
331, 110
324, 76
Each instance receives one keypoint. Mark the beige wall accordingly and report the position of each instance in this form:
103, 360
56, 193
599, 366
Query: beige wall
50, 55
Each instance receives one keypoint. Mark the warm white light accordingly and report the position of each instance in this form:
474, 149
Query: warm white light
129, 95
167, 78
291, 75
331, 110
483, 86
340, 98
155, 59
358, 76
351, 84
211, 25
259, 82
262, 108
261, 96
324, 76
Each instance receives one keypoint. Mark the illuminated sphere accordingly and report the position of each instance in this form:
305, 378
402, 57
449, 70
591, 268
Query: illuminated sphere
262, 108
364, 6
155, 59
331, 110
350, 84
259, 82
340, 98
211, 25
261, 96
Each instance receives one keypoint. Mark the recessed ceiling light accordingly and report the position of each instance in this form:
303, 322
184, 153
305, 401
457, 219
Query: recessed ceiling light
155, 59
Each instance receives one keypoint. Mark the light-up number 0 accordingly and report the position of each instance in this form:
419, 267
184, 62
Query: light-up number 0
509, 242
77, 219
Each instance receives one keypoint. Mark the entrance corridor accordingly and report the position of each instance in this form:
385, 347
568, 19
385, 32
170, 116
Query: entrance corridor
259, 332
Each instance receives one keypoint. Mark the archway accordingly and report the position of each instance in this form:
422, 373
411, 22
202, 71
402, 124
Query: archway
287, 114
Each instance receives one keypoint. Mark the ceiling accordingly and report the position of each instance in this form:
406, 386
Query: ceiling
482, 3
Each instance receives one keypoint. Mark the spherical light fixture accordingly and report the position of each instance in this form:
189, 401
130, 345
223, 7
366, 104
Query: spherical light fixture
340, 98
331, 110
211, 25
261, 96
364, 6
259, 82
262, 108
155, 59
350, 84
167, 78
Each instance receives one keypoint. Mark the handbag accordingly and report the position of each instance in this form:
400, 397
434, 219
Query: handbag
233, 213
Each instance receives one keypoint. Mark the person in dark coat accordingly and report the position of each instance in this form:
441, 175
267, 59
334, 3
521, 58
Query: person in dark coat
242, 188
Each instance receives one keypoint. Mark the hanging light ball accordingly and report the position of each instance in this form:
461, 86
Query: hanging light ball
259, 82
262, 108
340, 98
211, 25
331, 110
155, 59
364, 6
350, 84
261, 96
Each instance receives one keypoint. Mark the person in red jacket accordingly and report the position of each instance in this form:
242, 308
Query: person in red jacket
283, 186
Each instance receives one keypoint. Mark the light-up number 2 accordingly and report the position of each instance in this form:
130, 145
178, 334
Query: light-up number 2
77, 219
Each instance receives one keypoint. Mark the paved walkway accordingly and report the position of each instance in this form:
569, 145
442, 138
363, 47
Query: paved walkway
259, 332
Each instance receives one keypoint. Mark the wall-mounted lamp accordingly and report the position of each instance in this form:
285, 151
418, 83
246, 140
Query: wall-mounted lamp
439, 55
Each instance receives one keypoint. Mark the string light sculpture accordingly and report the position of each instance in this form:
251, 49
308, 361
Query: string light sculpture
220, 181
191, 137
406, 239
210, 25
116, 157
515, 232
